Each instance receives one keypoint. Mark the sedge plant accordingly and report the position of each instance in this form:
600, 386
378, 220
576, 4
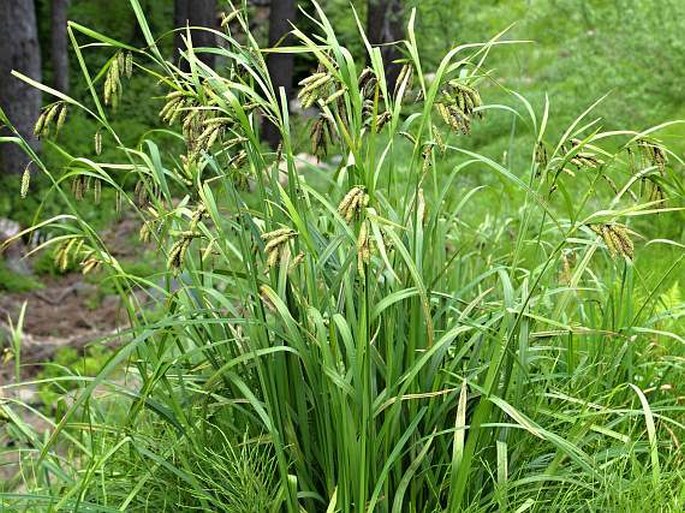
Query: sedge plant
373, 333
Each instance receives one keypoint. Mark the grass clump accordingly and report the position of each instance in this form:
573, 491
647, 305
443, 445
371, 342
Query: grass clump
417, 328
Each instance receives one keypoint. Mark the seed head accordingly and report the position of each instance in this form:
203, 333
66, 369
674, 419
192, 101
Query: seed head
354, 202
97, 140
363, 247
25, 181
276, 247
616, 238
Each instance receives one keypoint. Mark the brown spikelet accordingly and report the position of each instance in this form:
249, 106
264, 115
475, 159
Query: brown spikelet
458, 104
541, 158
404, 79
140, 193
382, 119
616, 238
177, 253
78, 187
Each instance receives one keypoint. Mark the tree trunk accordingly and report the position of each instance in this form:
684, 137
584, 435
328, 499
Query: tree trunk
59, 45
19, 50
280, 65
198, 13
384, 25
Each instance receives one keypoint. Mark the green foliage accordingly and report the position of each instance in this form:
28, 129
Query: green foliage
417, 326
11, 281
55, 377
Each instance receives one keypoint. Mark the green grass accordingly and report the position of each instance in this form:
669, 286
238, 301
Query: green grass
457, 337
11, 281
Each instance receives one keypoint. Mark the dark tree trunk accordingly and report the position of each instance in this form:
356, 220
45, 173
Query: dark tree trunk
19, 50
384, 25
280, 65
180, 20
59, 45
196, 13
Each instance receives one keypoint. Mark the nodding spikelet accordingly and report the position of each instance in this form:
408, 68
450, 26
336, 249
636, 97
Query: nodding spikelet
458, 105
584, 156
89, 264
296, 261
322, 134
226, 19
61, 118
145, 232
97, 191
439, 140
97, 142
25, 181
276, 247
276, 233
335, 96
652, 153
175, 103
382, 119
363, 247
65, 252
78, 187
367, 83
408, 136
616, 238
42, 126
178, 251
454, 118
314, 88
128, 65
354, 202
404, 79
541, 158
38, 127
426, 155
586, 159
210, 135
140, 193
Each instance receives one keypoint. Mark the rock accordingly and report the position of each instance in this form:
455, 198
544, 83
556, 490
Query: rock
13, 252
